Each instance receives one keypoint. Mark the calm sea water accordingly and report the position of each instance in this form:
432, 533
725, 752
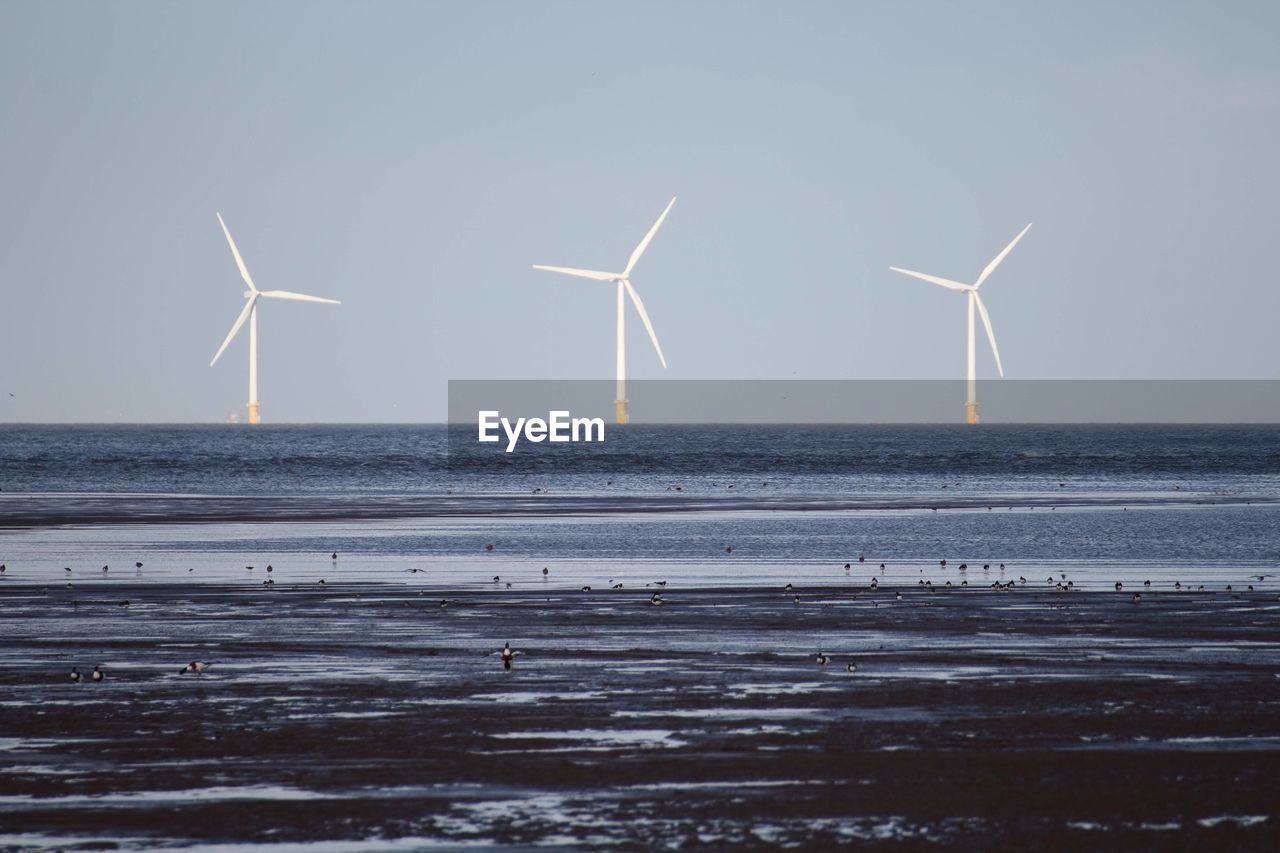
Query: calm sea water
1166, 497
801, 460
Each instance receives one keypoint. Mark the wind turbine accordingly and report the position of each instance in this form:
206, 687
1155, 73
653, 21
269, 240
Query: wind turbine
250, 312
623, 282
971, 405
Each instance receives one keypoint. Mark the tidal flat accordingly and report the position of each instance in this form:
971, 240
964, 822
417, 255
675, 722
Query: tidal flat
379, 716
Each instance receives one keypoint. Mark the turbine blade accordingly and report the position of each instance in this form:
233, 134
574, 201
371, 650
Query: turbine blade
244, 272
300, 297
991, 335
1000, 257
644, 244
644, 318
597, 275
945, 282
244, 315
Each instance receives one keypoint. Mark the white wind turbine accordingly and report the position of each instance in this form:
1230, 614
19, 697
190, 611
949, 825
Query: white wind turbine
623, 281
250, 313
971, 405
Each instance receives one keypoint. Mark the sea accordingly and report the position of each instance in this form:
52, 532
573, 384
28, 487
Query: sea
734, 636
708, 504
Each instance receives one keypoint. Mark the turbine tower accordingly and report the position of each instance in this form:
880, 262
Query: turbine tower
975, 301
623, 282
250, 312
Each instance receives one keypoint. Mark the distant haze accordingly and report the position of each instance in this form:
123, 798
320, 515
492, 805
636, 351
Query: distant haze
414, 159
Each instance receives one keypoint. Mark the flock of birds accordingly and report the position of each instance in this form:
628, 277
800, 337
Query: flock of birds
507, 655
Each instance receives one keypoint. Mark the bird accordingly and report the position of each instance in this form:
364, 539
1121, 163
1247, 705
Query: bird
617, 585
728, 549
321, 582
97, 674
414, 571
75, 675
1119, 586
586, 588
269, 569
1146, 584
662, 584
196, 666
488, 547
66, 568
334, 556
656, 599
545, 571
1137, 598
847, 566
822, 659
787, 588
942, 563
508, 656
851, 667
3, 568
138, 565
496, 578
124, 603
104, 569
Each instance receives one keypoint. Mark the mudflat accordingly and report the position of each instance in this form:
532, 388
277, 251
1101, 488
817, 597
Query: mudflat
380, 716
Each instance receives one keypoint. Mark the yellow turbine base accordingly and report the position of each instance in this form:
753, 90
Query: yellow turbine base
620, 411
971, 413
253, 413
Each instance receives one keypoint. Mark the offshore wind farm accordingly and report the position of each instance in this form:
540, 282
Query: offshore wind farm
473, 575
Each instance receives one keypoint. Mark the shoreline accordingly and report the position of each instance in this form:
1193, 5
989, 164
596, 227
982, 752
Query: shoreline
20, 511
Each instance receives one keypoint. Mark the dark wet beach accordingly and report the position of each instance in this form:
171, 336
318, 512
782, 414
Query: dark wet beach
368, 713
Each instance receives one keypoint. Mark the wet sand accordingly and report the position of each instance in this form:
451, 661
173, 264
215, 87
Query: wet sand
369, 714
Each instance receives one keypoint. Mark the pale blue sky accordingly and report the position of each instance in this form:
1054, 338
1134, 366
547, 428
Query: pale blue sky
413, 159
